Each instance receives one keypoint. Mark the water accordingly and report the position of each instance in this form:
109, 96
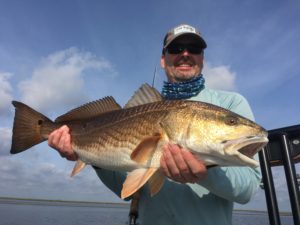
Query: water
258, 218
16, 212
28, 212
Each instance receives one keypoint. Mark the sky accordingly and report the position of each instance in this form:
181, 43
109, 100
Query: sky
56, 55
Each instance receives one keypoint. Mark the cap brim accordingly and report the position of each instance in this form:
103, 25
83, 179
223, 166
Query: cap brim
196, 36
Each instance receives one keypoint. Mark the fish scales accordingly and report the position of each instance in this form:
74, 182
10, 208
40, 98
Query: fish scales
120, 137
108, 119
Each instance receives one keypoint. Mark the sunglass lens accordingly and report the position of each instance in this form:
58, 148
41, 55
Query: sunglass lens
177, 49
194, 49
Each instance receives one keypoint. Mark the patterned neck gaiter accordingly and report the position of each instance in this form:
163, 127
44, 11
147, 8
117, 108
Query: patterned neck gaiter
183, 90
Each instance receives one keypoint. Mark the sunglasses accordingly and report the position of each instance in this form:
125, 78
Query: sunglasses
179, 48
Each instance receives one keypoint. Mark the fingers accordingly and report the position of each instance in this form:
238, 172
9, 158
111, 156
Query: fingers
196, 166
55, 139
181, 165
170, 167
60, 139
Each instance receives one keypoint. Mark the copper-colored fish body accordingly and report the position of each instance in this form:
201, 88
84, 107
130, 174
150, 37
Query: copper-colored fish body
131, 139
111, 141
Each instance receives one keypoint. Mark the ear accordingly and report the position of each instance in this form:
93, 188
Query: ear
162, 61
202, 62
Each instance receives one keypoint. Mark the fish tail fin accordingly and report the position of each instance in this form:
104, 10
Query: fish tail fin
29, 128
137, 178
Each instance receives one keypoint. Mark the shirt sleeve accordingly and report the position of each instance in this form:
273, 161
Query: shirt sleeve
112, 179
237, 184
238, 104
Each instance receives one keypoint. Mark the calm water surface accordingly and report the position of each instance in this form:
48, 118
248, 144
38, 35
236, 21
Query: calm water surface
27, 212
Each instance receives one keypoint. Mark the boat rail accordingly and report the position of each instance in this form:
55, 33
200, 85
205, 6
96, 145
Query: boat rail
283, 149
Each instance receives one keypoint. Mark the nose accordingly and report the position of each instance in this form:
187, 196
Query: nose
185, 52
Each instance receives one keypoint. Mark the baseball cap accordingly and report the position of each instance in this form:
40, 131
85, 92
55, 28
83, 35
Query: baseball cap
180, 30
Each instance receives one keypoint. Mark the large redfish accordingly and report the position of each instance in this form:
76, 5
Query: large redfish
131, 138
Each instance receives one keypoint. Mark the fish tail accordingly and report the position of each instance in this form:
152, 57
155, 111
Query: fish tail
29, 129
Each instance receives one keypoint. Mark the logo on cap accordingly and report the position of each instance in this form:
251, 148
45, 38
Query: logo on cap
184, 29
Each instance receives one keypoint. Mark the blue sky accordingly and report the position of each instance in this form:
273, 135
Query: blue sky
55, 55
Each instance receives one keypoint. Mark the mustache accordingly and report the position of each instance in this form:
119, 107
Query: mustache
185, 59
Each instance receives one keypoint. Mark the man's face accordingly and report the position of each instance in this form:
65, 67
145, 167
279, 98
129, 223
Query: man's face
182, 66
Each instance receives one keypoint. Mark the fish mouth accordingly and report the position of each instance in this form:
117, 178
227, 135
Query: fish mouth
245, 148
251, 149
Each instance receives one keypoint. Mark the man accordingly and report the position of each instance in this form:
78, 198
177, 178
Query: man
199, 195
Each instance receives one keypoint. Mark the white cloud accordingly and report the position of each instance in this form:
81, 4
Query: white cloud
5, 140
33, 175
5, 93
219, 77
58, 80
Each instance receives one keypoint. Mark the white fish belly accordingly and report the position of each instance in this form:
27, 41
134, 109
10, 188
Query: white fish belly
111, 159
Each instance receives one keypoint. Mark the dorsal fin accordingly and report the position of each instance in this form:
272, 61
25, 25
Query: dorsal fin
90, 110
145, 94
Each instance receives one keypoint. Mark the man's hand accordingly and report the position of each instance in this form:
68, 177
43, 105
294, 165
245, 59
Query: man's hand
60, 139
181, 165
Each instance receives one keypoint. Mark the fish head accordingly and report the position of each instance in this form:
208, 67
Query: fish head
223, 138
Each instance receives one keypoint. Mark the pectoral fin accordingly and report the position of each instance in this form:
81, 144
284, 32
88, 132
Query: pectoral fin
135, 180
145, 150
78, 167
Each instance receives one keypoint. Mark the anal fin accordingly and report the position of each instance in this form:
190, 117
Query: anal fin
135, 180
156, 182
78, 167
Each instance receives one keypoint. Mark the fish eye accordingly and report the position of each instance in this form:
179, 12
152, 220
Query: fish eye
231, 121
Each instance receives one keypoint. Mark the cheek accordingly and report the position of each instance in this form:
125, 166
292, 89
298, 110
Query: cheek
168, 64
199, 64
199, 60
169, 59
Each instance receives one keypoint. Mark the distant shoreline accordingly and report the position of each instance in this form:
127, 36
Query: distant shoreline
33, 201
57, 200
99, 204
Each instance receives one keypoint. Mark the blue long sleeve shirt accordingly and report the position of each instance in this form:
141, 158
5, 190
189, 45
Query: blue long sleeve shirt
210, 200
